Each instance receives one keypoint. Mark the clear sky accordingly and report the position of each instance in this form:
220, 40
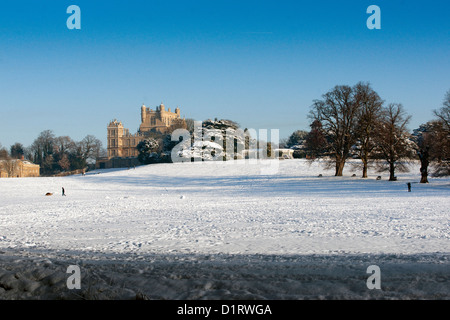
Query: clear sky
260, 63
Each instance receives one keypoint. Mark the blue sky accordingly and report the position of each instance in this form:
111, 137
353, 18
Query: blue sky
260, 63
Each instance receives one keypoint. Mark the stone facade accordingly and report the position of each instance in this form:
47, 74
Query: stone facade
121, 144
159, 119
15, 168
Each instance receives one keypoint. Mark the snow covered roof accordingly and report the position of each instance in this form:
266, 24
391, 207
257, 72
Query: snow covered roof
18, 160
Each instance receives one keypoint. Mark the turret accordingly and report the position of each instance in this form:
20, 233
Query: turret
143, 113
115, 133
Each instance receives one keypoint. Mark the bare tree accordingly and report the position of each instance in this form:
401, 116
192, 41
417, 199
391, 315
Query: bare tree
7, 165
62, 147
369, 111
54, 154
64, 144
337, 112
64, 162
3, 153
443, 114
189, 124
441, 151
441, 141
10, 166
91, 149
42, 150
392, 138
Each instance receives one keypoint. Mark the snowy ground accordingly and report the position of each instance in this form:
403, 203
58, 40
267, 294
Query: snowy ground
225, 231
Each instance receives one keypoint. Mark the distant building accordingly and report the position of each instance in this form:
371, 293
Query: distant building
285, 153
121, 144
18, 168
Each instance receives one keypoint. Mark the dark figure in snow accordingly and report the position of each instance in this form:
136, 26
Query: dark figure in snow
409, 186
63, 192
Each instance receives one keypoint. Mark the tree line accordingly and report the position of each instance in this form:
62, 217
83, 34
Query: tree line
57, 154
354, 122
157, 147
347, 122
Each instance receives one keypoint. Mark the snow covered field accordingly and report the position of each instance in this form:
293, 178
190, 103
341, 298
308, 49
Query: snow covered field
225, 231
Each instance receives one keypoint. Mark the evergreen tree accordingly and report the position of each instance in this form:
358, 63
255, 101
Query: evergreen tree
315, 142
147, 151
17, 150
297, 138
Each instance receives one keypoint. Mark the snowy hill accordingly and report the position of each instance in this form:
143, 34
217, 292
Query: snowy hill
226, 208
224, 231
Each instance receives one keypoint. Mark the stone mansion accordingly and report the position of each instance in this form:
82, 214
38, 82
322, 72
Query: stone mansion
121, 144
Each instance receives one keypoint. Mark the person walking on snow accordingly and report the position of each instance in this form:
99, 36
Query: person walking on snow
63, 192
